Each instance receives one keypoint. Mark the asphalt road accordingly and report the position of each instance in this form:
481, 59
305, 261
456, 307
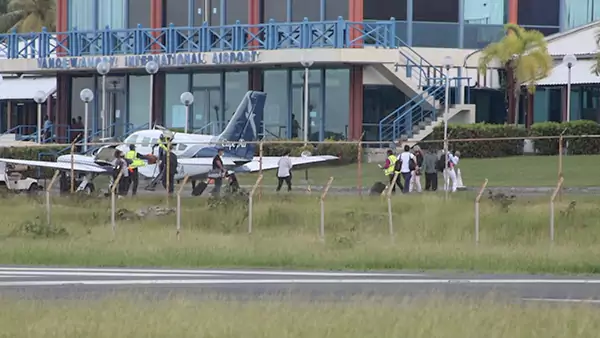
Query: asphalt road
82, 283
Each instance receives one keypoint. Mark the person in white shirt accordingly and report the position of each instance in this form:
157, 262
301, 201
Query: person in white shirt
451, 174
284, 171
406, 169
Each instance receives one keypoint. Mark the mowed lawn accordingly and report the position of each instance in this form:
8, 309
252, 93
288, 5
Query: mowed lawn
521, 171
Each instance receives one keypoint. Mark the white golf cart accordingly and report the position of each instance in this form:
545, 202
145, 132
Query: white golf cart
11, 176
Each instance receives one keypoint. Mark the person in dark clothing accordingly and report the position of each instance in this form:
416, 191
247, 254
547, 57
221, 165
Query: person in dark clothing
217, 165
162, 148
168, 178
430, 167
136, 162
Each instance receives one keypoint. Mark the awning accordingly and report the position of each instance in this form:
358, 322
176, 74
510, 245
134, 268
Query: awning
25, 88
581, 73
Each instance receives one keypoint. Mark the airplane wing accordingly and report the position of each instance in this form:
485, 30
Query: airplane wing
57, 165
272, 162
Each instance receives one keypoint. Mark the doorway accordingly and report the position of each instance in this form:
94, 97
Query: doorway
315, 117
116, 107
209, 117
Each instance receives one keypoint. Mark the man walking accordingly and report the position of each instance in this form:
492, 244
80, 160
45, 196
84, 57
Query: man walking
218, 167
415, 180
284, 171
136, 162
409, 164
430, 168
169, 172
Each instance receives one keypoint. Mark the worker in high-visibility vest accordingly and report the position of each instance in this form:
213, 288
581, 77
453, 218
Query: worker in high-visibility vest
135, 160
163, 149
390, 170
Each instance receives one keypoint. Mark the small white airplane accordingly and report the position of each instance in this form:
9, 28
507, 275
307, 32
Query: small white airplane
195, 153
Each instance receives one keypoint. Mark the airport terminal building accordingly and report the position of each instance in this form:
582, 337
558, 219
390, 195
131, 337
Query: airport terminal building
369, 62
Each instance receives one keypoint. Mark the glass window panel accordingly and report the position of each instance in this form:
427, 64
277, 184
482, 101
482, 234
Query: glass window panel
236, 10
435, 10
208, 114
276, 107
177, 13
581, 12
486, 12
207, 80
314, 103
335, 8
337, 103
384, 9
139, 100
176, 84
310, 9
112, 13
77, 106
538, 13
139, 13
81, 15
274, 9
236, 86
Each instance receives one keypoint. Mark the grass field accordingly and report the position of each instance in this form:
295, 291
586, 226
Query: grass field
281, 318
523, 171
430, 234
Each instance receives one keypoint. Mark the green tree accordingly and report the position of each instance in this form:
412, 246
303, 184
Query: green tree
524, 54
27, 15
596, 66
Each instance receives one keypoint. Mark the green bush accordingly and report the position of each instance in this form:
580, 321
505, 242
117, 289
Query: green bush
346, 152
577, 146
480, 149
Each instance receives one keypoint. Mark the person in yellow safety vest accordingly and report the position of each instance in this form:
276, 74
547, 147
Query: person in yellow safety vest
390, 169
135, 160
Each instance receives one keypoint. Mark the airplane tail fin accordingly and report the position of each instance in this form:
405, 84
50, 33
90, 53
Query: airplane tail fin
245, 125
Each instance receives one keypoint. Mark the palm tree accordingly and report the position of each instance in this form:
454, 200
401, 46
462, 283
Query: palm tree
27, 15
596, 66
524, 54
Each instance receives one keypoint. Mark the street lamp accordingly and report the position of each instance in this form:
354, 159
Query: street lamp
187, 99
447, 64
39, 97
152, 69
103, 68
86, 96
306, 64
569, 60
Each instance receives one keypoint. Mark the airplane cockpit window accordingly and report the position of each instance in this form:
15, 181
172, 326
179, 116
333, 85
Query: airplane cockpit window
131, 139
146, 142
181, 147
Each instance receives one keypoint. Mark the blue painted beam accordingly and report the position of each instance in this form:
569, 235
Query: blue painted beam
237, 37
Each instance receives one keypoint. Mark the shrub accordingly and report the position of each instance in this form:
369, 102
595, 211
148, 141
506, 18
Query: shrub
345, 151
577, 146
480, 149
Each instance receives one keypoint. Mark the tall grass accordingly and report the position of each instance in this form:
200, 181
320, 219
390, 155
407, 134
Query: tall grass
430, 233
281, 318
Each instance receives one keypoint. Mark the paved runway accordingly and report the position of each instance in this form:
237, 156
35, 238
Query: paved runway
54, 283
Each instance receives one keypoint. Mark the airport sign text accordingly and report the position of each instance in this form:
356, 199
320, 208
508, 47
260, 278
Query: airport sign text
139, 61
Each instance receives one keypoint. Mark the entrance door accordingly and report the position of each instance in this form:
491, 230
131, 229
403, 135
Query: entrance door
208, 114
208, 11
315, 116
117, 121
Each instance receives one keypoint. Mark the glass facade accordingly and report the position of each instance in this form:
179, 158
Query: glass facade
297, 10
139, 99
216, 97
585, 103
328, 103
97, 14
581, 12
184, 13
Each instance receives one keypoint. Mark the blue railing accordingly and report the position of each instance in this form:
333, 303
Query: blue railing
267, 36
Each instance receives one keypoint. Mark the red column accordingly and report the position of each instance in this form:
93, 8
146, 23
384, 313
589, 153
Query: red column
63, 81
356, 103
253, 19
355, 14
158, 102
513, 11
156, 20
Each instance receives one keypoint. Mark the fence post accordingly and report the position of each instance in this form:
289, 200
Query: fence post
113, 202
185, 179
477, 210
73, 164
552, 199
322, 228
250, 202
48, 188
560, 156
359, 160
260, 166
168, 168
389, 204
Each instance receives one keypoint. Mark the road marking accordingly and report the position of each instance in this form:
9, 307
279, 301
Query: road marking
292, 281
100, 274
220, 272
565, 300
